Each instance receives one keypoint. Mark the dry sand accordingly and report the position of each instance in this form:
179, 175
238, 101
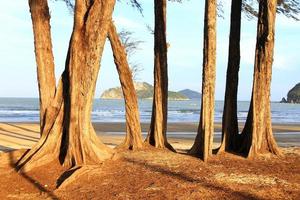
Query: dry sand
150, 173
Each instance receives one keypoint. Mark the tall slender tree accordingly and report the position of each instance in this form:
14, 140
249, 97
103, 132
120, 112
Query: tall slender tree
230, 127
133, 139
158, 127
257, 136
68, 135
203, 143
230, 136
44, 56
122, 45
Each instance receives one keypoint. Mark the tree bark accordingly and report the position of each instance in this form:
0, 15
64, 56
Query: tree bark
203, 143
230, 128
133, 139
43, 53
68, 134
257, 134
158, 127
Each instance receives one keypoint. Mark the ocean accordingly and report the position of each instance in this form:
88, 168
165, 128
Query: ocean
27, 110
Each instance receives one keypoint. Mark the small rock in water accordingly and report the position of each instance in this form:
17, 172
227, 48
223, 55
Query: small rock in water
283, 100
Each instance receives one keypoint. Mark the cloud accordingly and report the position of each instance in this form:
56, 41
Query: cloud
285, 62
285, 22
248, 51
127, 23
186, 56
7, 6
14, 17
282, 61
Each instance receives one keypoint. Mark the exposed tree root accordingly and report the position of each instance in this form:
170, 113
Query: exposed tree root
196, 151
133, 140
159, 143
74, 173
52, 146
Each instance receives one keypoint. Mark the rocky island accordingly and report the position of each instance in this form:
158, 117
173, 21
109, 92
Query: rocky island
293, 95
144, 91
190, 94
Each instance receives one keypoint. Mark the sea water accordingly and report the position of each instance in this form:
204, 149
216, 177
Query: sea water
27, 110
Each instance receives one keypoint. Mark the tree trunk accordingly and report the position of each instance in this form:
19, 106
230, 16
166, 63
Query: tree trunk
68, 134
257, 134
204, 140
133, 139
230, 129
158, 127
43, 53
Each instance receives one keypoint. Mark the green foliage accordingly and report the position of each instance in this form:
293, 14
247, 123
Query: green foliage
131, 46
130, 43
190, 94
176, 95
289, 8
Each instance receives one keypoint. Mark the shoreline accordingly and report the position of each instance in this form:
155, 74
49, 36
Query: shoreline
188, 127
180, 135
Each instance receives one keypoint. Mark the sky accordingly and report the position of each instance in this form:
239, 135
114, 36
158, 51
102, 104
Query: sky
184, 34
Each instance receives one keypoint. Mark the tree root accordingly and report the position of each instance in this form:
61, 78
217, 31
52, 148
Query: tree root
75, 173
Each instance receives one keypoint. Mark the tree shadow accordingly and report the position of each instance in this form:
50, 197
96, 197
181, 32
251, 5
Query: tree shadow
29, 179
22, 128
214, 153
19, 134
186, 178
111, 144
67, 174
186, 153
5, 148
18, 144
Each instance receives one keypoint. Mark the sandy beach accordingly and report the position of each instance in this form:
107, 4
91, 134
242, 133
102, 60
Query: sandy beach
154, 173
181, 135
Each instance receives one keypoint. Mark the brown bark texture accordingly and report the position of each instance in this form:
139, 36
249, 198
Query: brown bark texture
202, 146
157, 134
68, 134
43, 53
257, 135
133, 138
230, 128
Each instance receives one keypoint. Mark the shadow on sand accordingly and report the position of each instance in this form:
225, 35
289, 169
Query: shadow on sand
22, 128
5, 149
201, 182
29, 179
19, 135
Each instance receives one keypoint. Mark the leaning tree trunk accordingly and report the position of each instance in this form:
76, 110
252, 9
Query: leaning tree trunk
230, 129
68, 134
133, 139
43, 53
257, 134
204, 140
158, 127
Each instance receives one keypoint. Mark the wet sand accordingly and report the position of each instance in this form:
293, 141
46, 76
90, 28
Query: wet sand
181, 135
187, 127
